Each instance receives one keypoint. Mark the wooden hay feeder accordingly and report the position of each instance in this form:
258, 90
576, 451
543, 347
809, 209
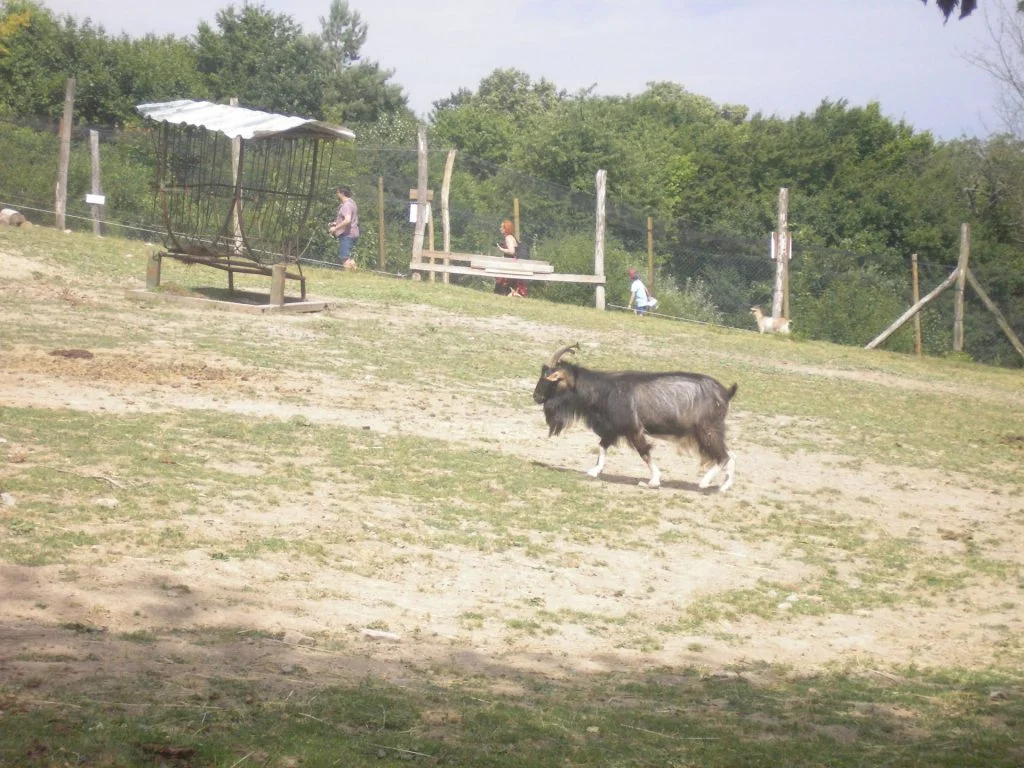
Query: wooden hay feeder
235, 186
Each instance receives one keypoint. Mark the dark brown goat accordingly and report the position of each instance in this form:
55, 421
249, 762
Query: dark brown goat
689, 408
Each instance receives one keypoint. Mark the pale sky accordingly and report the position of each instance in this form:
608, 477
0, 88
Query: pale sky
778, 57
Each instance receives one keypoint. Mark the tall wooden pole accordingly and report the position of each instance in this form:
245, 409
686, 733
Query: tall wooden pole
446, 224
785, 279
961, 280
236, 205
97, 208
601, 183
380, 224
515, 217
781, 253
60, 204
918, 347
650, 253
421, 195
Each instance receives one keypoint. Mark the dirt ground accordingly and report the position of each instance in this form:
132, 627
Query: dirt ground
319, 618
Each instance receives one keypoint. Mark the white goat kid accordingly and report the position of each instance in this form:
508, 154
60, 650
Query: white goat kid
769, 324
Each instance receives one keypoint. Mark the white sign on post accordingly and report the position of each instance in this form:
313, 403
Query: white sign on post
412, 212
96, 199
773, 241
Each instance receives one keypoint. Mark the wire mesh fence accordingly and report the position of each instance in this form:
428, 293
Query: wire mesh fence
698, 275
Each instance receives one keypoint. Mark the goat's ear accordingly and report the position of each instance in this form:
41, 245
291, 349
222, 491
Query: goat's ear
555, 376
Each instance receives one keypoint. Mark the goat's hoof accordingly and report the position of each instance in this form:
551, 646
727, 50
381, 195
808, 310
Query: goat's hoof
592, 473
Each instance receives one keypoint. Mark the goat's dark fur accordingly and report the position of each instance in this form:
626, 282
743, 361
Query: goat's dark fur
632, 405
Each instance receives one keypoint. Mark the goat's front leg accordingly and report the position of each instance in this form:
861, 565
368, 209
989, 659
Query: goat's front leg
655, 479
596, 470
729, 465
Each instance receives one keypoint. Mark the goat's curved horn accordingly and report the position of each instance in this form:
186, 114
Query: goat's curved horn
558, 354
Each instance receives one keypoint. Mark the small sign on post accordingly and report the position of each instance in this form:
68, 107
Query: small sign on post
412, 212
774, 245
413, 205
96, 199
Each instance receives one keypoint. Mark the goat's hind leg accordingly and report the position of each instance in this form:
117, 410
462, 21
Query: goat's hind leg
712, 448
596, 470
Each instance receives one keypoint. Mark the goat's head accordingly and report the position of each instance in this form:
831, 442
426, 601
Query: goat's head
756, 311
554, 376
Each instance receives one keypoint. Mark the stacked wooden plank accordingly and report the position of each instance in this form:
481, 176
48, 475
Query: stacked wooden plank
497, 266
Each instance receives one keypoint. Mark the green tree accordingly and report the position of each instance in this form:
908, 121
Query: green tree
264, 59
357, 91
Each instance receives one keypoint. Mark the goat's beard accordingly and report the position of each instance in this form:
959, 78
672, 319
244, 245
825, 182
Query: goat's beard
561, 411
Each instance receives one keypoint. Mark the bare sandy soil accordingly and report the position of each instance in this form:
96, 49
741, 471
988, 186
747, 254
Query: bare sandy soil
423, 595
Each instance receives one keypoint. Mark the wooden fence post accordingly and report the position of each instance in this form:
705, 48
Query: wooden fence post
961, 280
421, 195
650, 254
97, 188
781, 254
916, 293
380, 224
601, 183
60, 204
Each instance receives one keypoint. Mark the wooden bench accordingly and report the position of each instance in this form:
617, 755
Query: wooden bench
479, 265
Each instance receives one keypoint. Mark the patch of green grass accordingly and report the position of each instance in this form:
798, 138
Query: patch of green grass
752, 716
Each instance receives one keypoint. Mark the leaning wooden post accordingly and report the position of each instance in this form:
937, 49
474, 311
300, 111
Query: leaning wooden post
380, 223
991, 305
650, 253
601, 181
60, 204
781, 254
421, 195
912, 311
446, 188
515, 217
97, 194
961, 280
917, 297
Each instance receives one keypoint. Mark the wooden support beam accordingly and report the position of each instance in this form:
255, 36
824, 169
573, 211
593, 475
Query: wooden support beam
277, 285
913, 311
991, 306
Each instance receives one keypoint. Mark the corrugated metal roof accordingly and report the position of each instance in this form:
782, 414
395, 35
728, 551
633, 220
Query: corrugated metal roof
239, 121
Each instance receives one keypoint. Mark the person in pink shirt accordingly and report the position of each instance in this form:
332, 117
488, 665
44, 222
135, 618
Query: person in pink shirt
345, 226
